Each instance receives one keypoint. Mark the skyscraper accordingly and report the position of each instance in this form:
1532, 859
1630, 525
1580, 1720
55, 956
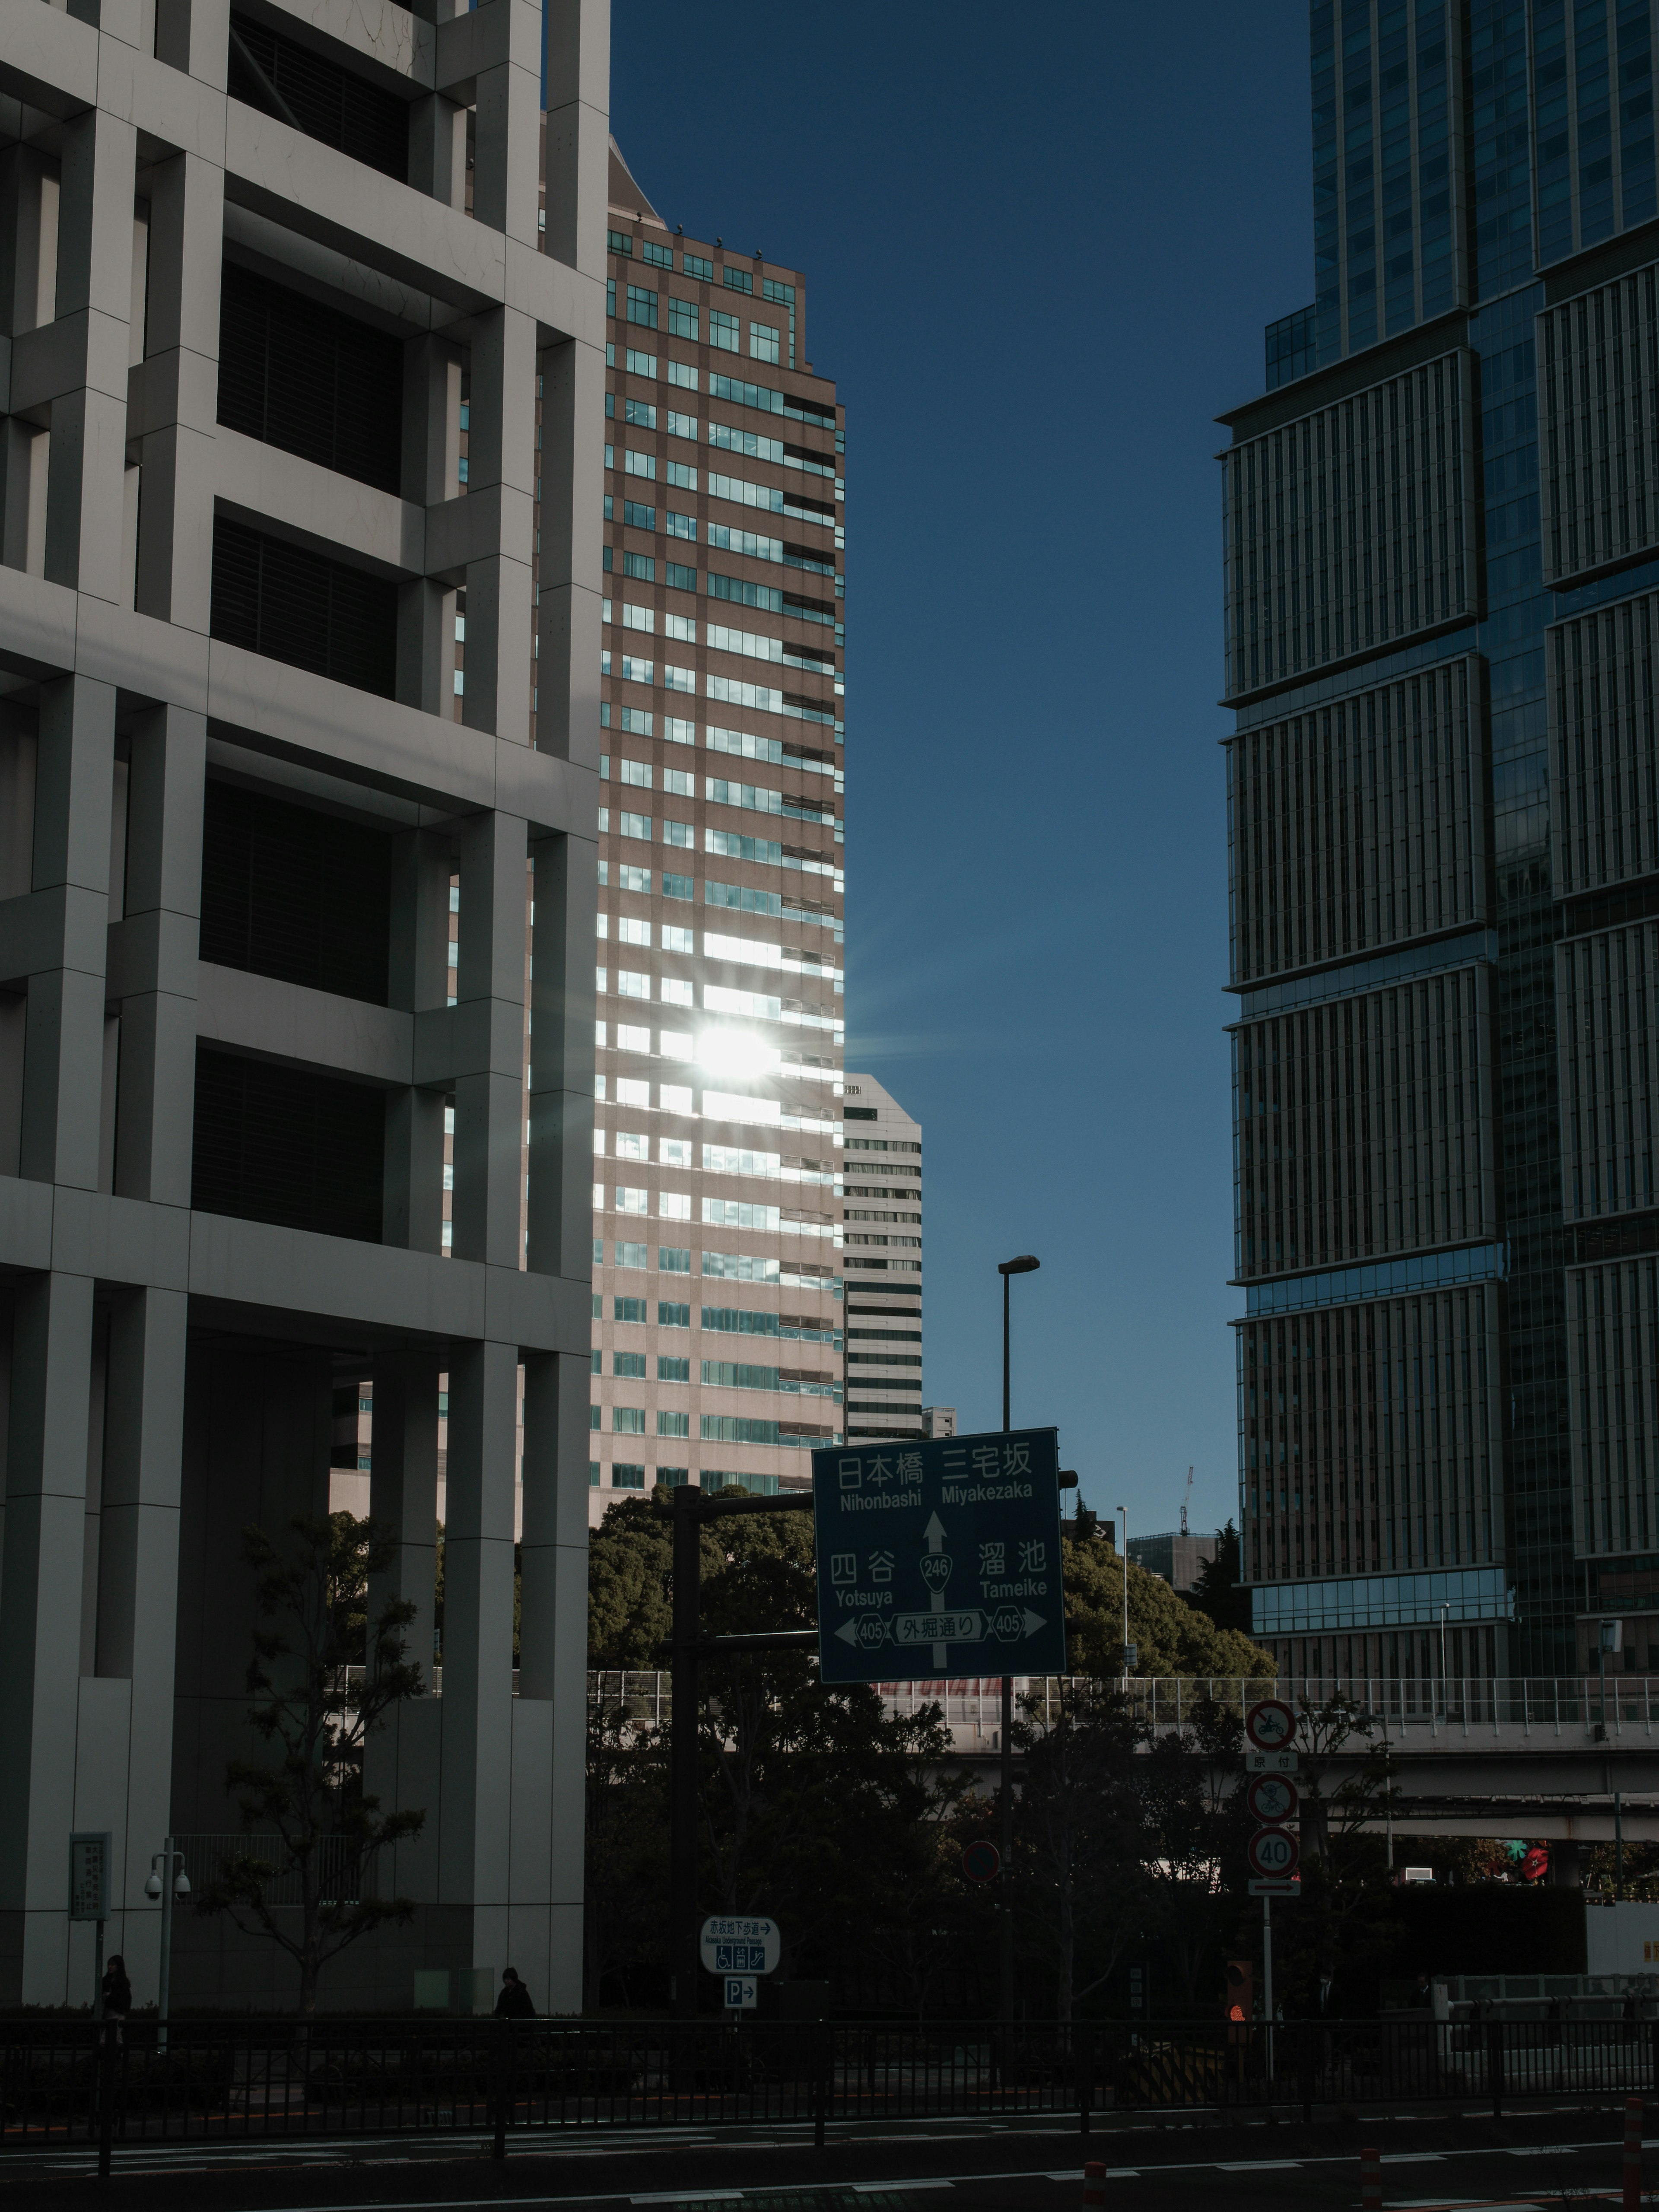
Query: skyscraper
717, 1290
1442, 557
883, 1210
263, 1135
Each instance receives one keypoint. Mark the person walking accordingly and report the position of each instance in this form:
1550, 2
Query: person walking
514, 2001
118, 1995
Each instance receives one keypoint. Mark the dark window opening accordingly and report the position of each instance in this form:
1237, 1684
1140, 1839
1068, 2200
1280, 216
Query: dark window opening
299, 375
273, 598
283, 1145
288, 892
281, 78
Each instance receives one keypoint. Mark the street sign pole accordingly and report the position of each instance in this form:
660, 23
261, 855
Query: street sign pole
1005, 1900
1267, 1975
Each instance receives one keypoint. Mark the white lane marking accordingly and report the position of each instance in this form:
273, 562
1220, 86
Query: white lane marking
1410, 2157
869, 2188
1253, 2165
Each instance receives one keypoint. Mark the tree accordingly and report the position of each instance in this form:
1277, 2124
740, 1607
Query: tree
1197, 1826
312, 1607
1170, 1636
1344, 1916
1219, 1589
1078, 1880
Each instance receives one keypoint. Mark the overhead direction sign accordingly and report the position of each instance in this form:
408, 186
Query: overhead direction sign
940, 1555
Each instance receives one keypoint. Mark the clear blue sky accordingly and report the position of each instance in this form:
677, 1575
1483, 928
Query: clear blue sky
1040, 247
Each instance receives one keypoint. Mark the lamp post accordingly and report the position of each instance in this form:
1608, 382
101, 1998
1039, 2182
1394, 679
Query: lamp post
1123, 1516
159, 1887
1025, 1264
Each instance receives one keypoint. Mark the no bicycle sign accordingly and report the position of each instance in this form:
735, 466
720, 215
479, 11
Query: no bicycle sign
939, 1557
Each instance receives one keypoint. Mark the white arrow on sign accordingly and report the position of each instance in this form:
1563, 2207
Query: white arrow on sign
934, 1532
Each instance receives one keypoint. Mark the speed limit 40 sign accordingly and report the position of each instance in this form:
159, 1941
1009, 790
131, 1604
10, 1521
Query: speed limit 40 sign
1274, 1852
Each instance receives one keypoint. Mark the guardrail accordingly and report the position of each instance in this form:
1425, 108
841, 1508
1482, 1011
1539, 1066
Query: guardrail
64, 2082
973, 1703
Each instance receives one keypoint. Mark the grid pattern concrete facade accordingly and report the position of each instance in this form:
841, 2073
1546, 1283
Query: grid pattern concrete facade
261, 619
717, 1319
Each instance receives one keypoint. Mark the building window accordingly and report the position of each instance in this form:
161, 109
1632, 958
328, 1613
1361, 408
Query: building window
618, 241
674, 1425
695, 266
623, 1477
682, 318
643, 306
738, 280
723, 331
764, 342
627, 1420
656, 257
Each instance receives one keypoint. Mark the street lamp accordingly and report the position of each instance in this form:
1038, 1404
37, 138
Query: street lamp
1124, 1514
1025, 1264
156, 1886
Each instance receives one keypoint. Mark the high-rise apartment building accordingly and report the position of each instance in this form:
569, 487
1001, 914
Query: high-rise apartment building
716, 1257
270, 1131
1442, 578
883, 1211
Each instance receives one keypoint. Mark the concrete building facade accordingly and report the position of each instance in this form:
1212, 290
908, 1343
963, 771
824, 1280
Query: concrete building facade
716, 1200
884, 1268
254, 265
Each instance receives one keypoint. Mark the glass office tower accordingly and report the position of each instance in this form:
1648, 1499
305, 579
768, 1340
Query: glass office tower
1442, 530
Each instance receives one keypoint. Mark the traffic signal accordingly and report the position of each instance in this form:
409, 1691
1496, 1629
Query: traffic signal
1241, 1992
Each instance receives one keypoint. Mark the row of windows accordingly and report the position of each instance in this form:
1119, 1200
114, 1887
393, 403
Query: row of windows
699, 266
641, 307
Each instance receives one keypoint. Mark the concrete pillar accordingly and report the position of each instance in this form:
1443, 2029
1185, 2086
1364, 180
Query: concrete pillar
578, 135
63, 1047
41, 1582
417, 979
179, 393
1566, 1864
490, 1043
501, 468
403, 1491
154, 949
561, 1210
86, 489
138, 1583
570, 585
431, 477
553, 1641
507, 150
475, 1795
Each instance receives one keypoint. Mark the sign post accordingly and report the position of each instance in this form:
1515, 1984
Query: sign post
89, 1854
939, 1556
1273, 1851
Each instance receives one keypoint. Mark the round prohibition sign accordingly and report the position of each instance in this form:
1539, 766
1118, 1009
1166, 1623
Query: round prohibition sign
981, 1862
1271, 1798
1273, 1851
1270, 1725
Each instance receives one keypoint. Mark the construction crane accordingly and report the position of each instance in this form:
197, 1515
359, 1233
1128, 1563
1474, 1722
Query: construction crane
1186, 1501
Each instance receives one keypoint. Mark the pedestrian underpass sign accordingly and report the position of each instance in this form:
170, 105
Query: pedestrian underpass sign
939, 1556
740, 1943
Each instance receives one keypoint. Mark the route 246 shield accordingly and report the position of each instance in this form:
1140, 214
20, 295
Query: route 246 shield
1274, 1853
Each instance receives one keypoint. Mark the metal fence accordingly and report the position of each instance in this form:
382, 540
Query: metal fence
63, 2082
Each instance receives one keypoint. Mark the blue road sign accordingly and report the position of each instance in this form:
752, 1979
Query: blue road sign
939, 1556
